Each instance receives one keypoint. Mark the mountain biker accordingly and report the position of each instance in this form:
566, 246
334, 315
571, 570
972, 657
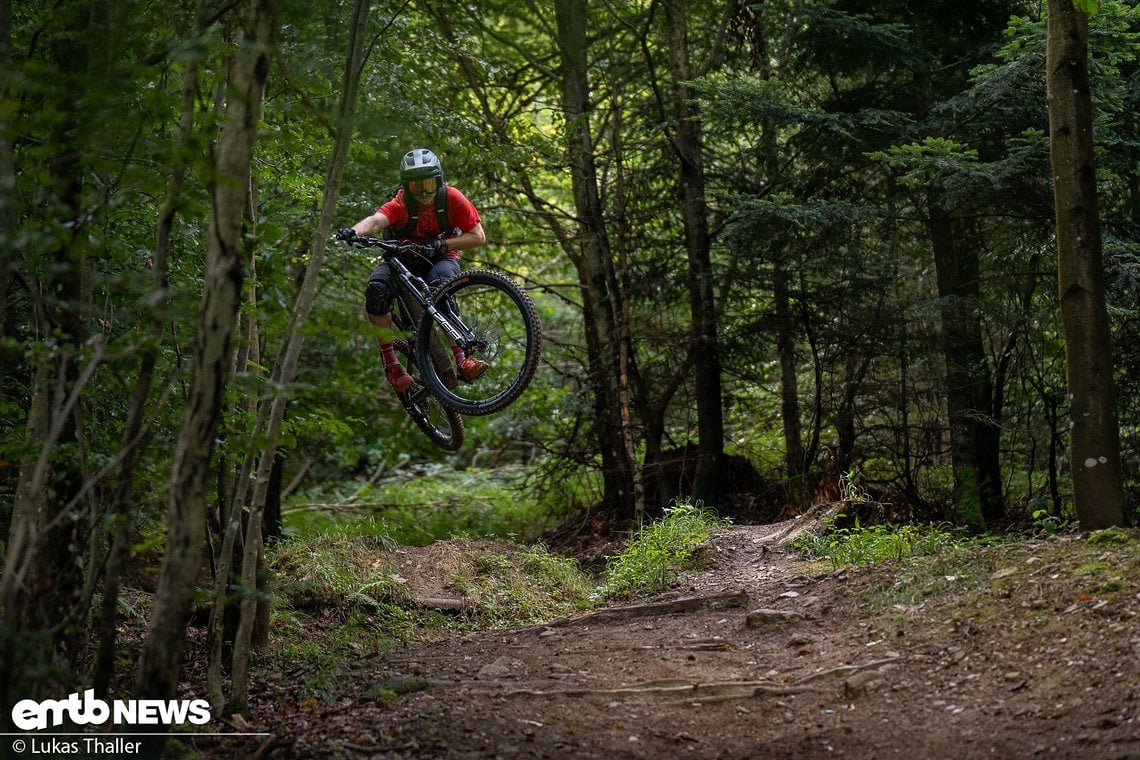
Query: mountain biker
437, 216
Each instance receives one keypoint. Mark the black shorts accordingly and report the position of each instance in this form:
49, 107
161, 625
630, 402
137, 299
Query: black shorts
433, 274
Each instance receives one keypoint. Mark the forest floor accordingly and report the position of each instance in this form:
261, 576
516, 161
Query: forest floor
1016, 650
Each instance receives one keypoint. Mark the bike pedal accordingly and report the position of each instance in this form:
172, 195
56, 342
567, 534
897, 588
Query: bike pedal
417, 393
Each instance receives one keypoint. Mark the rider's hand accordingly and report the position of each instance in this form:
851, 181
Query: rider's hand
345, 234
434, 249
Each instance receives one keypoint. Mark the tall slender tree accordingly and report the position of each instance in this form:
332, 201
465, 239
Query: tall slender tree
687, 146
601, 300
162, 653
1095, 434
272, 411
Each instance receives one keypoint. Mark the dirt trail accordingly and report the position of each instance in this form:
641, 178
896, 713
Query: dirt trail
751, 658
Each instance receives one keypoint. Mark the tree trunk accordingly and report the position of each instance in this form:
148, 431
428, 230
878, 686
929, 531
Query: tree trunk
973, 436
162, 652
601, 305
271, 414
1098, 490
120, 508
694, 212
794, 459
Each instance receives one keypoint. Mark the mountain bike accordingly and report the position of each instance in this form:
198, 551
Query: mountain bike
442, 425
484, 313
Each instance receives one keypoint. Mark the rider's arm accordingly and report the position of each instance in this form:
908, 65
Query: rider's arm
369, 226
472, 238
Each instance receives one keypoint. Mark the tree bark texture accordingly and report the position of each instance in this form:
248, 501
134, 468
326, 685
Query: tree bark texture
973, 434
161, 657
794, 460
600, 301
1094, 429
694, 213
272, 413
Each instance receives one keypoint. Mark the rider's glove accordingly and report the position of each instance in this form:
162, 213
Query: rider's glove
345, 234
434, 249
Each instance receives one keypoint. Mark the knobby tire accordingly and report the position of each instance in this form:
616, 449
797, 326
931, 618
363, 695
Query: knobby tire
442, 425
505, 325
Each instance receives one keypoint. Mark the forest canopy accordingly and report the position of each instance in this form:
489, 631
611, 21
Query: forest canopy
779, 250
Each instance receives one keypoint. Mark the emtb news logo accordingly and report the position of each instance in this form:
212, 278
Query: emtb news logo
30, 715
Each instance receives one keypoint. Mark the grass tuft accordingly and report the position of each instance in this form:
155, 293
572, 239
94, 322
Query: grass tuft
859, 545
659, 552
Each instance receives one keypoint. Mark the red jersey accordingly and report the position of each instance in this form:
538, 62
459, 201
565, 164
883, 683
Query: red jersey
461, 214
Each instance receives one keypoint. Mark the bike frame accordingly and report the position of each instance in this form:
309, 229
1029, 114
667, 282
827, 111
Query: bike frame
414, 286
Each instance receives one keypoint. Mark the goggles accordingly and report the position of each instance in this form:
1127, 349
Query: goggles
420, 186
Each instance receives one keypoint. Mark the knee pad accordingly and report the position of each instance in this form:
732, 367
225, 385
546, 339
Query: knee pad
378, 297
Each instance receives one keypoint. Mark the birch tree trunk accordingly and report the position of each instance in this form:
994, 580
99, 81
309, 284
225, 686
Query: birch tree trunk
270, 415
162, 652
1098, 490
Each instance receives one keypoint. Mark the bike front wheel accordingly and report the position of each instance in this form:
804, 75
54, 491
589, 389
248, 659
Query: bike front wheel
492, 320
442, 425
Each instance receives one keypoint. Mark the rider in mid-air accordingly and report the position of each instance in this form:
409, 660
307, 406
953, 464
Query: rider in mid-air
429, 212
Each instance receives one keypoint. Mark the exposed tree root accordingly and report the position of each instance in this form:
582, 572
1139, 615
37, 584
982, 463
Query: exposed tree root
688, 691
722, 600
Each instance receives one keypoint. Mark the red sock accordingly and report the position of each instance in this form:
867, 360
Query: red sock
388, 351
459, 355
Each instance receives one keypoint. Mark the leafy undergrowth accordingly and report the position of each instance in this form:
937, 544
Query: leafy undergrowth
352, 592
344, 597
975, 647
658, 552
419, 504
1029, 587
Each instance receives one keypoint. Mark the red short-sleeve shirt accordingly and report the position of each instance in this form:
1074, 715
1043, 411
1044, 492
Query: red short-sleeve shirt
461, 214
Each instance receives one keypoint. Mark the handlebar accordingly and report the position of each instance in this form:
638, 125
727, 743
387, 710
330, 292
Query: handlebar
390, 247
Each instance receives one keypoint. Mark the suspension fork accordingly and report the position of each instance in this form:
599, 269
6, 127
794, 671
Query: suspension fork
420, 291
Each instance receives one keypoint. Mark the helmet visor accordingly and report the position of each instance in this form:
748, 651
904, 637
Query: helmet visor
421, 186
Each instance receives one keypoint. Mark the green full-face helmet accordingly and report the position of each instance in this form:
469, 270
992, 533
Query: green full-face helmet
420, 172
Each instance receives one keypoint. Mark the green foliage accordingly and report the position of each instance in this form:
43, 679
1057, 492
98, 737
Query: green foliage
311, 656
525, 586
659, 552
851, 488
339, 598
819, 137
429, 502
860, 545
342, 567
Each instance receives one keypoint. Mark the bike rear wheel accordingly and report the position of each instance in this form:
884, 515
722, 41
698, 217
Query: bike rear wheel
442, 425
499, 326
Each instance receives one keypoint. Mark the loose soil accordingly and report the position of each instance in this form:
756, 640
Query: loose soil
1018, 650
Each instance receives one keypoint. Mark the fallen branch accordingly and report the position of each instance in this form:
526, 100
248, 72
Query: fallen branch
270, 744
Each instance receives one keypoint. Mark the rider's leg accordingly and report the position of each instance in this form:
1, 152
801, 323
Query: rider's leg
467, 367
378, 305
